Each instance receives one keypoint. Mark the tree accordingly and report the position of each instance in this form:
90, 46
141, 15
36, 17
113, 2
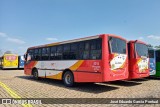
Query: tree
149, 45
1, 52
158, 47
8, 52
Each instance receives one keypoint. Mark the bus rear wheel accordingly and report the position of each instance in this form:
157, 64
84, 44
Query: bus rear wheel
35, 74
68, 79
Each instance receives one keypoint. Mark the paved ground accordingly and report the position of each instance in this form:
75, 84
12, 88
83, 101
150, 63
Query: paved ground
26, 87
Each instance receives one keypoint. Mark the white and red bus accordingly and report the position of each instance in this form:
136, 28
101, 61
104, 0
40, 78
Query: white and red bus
99, 58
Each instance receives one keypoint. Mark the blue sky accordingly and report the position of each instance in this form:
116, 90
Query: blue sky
25, 23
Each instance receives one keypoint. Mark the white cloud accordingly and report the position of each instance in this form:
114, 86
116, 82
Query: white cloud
140, 38
3, 34
51, 39
15, 40
153, 37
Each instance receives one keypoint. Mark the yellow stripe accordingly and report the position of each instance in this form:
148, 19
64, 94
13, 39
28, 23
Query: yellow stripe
13, 94
53, 44
76, 65
56, 76
139, 61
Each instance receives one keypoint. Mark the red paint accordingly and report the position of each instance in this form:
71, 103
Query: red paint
95, 70
133, 66
10, 57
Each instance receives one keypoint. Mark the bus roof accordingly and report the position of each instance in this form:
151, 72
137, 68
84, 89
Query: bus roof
77, 40
151, 48
10, 54
138, 41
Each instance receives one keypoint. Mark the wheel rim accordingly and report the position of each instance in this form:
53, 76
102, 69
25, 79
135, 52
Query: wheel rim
68, 79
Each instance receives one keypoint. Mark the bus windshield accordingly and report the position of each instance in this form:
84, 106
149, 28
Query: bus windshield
141, 49
158, 56
151, 53
117, 45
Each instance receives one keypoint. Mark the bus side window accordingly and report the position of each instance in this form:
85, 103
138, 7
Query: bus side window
36, 54
39, 54
157, 56
59, 52
86, 50
80, 50
45, 53
30, 55
96, 50
53, 53
73, 52
66, 51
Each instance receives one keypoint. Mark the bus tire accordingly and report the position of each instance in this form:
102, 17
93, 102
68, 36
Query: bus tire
68, 79
35, 74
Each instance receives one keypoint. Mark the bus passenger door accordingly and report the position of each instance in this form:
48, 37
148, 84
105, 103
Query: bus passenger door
27, 64
42, 69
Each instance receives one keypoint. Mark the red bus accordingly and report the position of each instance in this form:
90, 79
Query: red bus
138, 59
99, 58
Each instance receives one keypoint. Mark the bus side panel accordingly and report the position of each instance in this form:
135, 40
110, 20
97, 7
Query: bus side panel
87, 77
29, 66
89, 71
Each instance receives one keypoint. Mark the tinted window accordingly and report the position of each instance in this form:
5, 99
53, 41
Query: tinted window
86, 50
93, 44
141, 49
30, 54
53, 54
96, 51
45, 53
37, 54
157, 56
74, 51
81, 50
151, 53
59, 52
117, 45
66, 51
74, 46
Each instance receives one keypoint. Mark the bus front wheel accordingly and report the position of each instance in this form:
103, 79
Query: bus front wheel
68, 79
35, 74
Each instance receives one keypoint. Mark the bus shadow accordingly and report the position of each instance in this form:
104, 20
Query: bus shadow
83, 87
9, 69
153, 78
124, 83
139, 80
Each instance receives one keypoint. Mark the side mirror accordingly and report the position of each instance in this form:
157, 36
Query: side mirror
25, 56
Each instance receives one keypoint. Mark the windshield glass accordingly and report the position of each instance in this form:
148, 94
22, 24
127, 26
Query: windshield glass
141, 49
158, 56
151, 53
117, 45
